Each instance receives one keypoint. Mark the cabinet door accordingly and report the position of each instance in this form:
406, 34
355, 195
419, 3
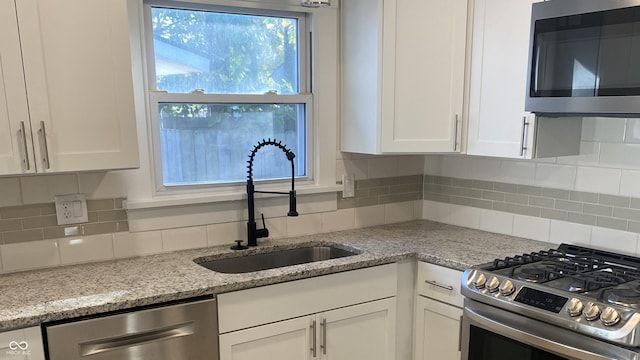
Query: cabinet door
403, 65
23, 344
499, 56
423, 83
437, 330
77, 69
16, 152
285, 340
365, 331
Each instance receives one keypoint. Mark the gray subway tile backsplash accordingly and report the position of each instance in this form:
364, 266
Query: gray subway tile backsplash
584, 219
541, 202
593, 209
380, 191
613, 200
612, 223
38, 222
569, 205
603, 210
584, 197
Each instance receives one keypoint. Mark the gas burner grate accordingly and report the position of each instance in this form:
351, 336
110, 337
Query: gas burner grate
533, 257
571, 268
586, 281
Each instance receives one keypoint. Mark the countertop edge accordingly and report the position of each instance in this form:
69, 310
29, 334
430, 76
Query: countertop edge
119, 285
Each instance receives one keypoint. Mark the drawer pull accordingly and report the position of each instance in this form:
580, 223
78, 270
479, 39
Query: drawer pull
435, 283
523, 145
45, 151
323, 333
313, 338
23, 136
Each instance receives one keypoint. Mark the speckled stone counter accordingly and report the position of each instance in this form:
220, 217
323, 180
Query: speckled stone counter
33, 297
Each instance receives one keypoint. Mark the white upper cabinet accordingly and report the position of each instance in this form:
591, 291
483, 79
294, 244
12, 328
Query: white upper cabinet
15, 129
498, 124
403, 67
76, 58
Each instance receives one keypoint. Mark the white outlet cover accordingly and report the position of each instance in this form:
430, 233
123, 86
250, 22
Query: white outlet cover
348, 185
71, 209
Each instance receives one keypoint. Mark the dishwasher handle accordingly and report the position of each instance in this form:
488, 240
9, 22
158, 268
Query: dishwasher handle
119, 342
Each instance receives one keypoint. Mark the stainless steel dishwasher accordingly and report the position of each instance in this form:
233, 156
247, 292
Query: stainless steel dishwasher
184, 331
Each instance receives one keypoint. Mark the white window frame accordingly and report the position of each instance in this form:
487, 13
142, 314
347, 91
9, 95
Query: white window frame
157, 97
149, 209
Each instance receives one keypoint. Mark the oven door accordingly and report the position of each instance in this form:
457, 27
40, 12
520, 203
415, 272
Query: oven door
489, 333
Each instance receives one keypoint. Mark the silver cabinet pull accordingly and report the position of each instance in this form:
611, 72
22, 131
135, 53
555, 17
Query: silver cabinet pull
523, 145
45, 150
455, 133
323, 341
313, 337
460, 335
155, 335
437, 284
25, 157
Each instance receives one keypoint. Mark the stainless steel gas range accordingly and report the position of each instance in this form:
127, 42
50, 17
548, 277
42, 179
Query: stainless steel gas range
572, 302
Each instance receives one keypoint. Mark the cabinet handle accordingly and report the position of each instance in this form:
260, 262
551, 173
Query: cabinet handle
43, 139
523, 146
25, 158
323, 341
313, 337
460, 335
455, 133
94, 347
435, 283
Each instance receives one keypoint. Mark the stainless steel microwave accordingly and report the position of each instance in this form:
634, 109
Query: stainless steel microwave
584, 58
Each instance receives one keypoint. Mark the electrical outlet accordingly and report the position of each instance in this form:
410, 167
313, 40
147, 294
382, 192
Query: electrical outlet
71, 209
348, 185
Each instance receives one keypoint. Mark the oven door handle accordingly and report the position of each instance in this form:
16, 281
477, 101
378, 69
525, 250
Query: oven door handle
538, 334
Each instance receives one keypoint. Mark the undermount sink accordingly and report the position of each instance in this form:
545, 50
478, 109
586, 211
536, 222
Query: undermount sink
276, 259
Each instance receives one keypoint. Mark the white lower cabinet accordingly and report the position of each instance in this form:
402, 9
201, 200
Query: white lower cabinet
437, 330
438, 313
23, 344
364, 331
284, 340
344, 316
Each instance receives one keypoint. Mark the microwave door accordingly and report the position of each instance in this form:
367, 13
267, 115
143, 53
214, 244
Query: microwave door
584, 62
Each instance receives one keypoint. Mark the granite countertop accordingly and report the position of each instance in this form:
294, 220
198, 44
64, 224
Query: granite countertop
33, 297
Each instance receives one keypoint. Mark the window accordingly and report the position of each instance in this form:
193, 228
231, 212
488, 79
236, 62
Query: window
223, 79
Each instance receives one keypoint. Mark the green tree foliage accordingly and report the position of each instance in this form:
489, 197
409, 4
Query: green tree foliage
245, 54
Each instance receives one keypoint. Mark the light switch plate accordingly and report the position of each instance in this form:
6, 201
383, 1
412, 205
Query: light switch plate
71, 209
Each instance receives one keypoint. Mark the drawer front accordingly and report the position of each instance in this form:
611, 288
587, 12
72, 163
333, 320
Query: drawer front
439, 283
262, 305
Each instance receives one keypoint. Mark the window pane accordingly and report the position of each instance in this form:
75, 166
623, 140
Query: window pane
211, 143
223, 53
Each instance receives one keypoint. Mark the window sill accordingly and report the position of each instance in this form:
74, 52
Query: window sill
194, 199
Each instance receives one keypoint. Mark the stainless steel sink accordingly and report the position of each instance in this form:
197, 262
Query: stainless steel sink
275, 259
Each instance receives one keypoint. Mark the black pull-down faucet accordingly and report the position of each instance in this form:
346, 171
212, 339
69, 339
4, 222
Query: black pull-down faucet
253, 233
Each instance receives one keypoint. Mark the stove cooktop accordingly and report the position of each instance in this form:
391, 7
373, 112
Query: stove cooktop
605, 276
583, 289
